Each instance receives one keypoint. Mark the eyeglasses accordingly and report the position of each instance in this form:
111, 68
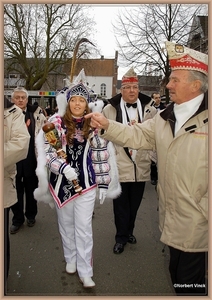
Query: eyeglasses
129, 87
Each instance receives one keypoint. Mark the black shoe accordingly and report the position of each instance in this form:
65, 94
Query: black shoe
14, 228
31, 222
118, 248
153, 182
132, 239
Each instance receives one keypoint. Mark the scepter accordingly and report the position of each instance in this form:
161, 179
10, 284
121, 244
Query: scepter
54, 140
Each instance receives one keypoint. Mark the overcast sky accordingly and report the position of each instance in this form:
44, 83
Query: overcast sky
104, 15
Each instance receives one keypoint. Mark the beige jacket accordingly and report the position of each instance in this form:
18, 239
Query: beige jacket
130, 171
182, 173
16, 142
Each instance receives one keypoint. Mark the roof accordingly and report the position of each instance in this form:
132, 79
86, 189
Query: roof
93, 67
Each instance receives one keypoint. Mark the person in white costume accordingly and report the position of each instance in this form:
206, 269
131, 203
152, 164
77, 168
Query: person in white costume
90, 161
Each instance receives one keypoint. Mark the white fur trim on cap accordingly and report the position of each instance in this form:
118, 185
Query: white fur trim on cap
61, 103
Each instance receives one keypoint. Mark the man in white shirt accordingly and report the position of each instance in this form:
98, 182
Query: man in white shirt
130, 107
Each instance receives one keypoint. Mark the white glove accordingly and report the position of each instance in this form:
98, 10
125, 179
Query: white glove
102, 195
69, 173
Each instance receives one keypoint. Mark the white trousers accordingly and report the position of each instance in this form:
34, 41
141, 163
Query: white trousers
75, 227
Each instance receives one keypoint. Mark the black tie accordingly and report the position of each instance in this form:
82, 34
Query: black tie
134, 105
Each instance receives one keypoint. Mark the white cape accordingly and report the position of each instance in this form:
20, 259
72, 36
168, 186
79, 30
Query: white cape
42, 192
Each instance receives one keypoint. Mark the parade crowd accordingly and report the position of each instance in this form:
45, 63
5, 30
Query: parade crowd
88, 151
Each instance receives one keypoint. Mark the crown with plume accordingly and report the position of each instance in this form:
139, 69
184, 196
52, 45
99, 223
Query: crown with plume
79, 87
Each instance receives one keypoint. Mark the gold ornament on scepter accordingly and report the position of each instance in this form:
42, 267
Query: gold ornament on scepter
54, 140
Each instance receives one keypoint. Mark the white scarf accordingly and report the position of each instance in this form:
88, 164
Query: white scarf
185, 110
133, 116
131, 111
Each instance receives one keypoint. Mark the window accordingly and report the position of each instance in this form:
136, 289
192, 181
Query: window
12, 76
14, 80
103, 89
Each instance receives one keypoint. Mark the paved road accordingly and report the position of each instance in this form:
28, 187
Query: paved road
38, 267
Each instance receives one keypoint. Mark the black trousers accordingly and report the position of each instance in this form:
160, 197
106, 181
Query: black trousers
125, 209
25, 185
188, 272
6, 247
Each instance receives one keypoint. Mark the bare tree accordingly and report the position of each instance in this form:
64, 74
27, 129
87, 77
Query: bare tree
40, 38
141, 33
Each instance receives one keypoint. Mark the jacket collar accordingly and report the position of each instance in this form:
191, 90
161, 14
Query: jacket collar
115, 101
168, 113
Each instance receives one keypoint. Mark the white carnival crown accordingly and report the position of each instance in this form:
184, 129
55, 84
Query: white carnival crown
78, 90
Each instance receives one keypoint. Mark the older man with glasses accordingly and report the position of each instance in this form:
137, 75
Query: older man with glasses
129, 107
26, 179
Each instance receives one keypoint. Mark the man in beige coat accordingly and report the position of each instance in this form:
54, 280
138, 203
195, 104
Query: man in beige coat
129, 107
180, 135
16, 142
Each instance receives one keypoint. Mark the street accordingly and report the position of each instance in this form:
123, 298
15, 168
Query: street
37, 265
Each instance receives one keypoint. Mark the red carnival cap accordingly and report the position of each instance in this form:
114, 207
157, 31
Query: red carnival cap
181, 57
129, 77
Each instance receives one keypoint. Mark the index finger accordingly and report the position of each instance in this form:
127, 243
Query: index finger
88, 115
